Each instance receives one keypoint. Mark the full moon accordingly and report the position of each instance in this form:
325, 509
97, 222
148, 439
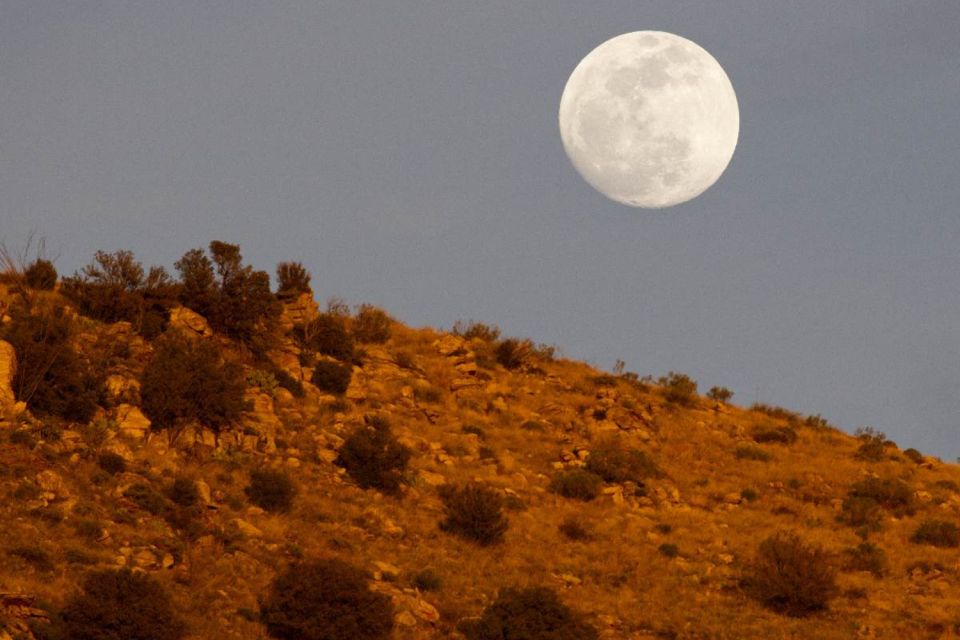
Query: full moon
649, 119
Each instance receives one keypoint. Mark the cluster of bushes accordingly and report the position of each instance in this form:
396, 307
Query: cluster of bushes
189, 380
791, 576
865, 502
937, 533
50, 375
373, 457
474, 512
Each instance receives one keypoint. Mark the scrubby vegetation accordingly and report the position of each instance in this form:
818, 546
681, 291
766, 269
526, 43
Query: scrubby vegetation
474, 512
41, 274
271, 490
327, 335
534, 613
373, 457
679, 389
372, 325
578, 484
331, 377
293, 280
791, 576
614, 462
325, 600
937, 533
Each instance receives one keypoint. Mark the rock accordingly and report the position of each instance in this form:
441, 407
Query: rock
144, 559
247, 529
615, 492
122, 388
432, 479
190, 322
385, 571
465, 383
52, 485
8, 366
131, 421
450, 345
302, 310
203, 490
405, 619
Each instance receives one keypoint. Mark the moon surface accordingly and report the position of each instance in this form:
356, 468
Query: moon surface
649, 119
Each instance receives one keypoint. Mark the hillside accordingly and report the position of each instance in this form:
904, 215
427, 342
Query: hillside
666, 546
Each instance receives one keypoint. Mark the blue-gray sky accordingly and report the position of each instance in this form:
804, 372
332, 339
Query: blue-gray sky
408, 154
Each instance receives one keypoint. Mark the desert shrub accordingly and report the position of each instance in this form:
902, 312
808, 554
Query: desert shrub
573, 529
749, 494
292, 280
114, 288
872, 444
938, 533
752, 453
720, 394
913, 455
817, 422
861, 512
893, 495
534, 613
427, 580
373, 457
36, 557
325, 600
427, 393
23, 438
50, 377
235, 299
332, 377
184, 491
511, 352
88, 528
790, 576
371, 325
288, 382
327, 335
475, 430
111, 462
145, 497
779, 413
774, 434
578, 484
614, 462
669, 550
474, 512
79, 556
271, 490
120, 605
478, 330
866, 556
188, 380
679, 389
263, 380
41, 274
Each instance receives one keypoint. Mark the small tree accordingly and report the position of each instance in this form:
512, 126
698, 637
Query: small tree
41, 274
326, 334
534, 613
119, 605
292, 280
373, 456
791, 577
188, 380
473, 512
325, 600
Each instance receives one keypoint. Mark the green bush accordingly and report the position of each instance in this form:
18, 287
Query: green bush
292, 280
112, 463
862, 512
578, 484
373, 457
271, 490
325, 600
41, 274
614, 462
188, 380
534, 613
913, 455
937, 533
263, 380
872, 444
372, 325
332, 377
121, 605
866, 557
474, 512
790, 576
679, 389
752, 453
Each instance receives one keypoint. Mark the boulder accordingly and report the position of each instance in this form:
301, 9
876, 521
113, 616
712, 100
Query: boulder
450, 345
131, 421
8, 366
190, 322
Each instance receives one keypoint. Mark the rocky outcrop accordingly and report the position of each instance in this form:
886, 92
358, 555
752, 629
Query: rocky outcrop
190, 322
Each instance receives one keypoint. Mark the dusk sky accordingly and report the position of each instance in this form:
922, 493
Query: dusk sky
408, 153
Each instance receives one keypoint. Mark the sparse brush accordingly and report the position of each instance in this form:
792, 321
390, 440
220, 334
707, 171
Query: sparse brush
371, 325
790, 576
373, 457
271, 490
752, 453
534, 613
331, 377
679, 389
615, 462
578, 484
937, 533
473, 512
574, 529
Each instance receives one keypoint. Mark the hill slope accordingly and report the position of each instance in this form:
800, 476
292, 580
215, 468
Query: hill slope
663, 555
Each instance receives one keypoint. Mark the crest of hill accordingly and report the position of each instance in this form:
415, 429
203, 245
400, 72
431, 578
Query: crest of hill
208, 439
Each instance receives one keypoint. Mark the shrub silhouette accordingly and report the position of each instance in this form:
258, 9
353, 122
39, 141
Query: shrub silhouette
50, 377
427, 580
188, 380
773, 434
473, 512
114, 288
720, 394
372, 325
613, 462
41, 274
112, 463
184, 492
511, 352
327, 335
872, 444
679, 389
373, 457
790, 576
534, 613
752, 453
574, 529
893, 495
292, 280
578, 484
862, 512
325, 600
146, 498
938, 533
331, 377
119, 605
235, 299
478, 330
866, 557
271, 490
